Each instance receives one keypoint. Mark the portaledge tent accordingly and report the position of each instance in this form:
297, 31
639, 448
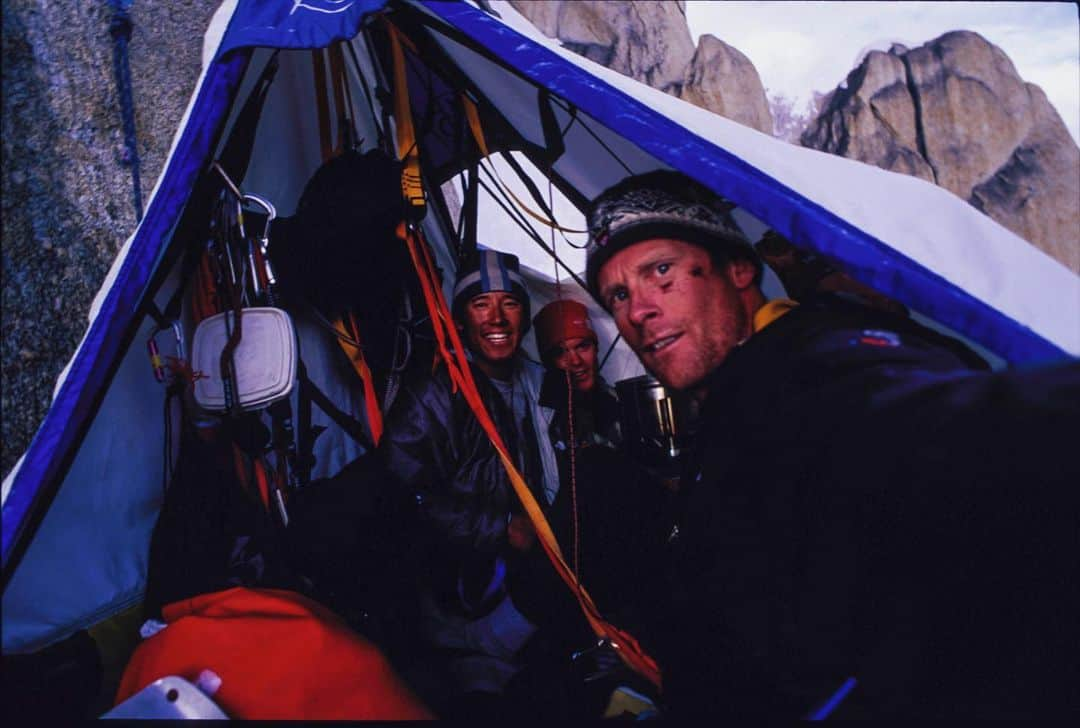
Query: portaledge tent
79, 507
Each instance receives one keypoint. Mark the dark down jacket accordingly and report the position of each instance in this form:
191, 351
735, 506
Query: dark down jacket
870, 508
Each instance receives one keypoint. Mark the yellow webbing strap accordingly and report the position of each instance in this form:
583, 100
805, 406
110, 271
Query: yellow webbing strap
350, 343
412, 187
478, 134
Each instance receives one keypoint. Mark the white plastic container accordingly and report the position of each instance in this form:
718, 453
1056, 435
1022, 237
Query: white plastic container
265, 359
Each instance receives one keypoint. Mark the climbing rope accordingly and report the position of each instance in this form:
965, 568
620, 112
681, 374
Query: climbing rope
120, 29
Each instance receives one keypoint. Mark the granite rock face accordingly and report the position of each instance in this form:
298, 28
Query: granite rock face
67, 194
650, 42
955, 112
724, 81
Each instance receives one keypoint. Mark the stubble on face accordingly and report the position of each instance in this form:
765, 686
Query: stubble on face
679, 313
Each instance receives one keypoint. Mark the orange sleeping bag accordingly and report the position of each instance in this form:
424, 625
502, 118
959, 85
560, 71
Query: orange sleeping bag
280, 656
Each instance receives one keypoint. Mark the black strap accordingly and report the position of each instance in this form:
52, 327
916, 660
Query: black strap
353, 427
469, 213
305, 455
553, 136
236, 155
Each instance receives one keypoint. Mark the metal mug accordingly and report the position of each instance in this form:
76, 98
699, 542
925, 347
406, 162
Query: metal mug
658, 424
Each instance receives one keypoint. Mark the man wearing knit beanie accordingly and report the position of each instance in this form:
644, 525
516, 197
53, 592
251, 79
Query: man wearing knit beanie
470, 525
860, 486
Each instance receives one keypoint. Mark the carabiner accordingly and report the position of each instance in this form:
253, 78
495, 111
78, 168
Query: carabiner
264, 240
157, 362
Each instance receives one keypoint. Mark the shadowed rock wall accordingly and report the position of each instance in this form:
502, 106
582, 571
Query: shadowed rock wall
67, 196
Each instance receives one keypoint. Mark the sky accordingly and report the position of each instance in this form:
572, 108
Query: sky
801, 47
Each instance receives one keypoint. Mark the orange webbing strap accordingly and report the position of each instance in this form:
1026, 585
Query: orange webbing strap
412, 187
478, 134
204, 298
460, 374
350, 342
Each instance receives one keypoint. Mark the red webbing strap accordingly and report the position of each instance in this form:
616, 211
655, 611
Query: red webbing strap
624, 644
352, 346
262, 482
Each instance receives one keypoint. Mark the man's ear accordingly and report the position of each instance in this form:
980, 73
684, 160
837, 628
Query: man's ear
741, 272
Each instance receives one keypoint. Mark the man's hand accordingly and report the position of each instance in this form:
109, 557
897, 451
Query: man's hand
520, 532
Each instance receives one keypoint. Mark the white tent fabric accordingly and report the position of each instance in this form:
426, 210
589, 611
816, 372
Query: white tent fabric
87, 559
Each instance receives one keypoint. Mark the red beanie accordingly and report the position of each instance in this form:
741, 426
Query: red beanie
559, 321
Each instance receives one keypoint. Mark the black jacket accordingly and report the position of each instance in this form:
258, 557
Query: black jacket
439, 455
867, 501
437, 450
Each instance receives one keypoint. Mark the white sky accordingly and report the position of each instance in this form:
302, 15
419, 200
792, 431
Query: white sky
801, 47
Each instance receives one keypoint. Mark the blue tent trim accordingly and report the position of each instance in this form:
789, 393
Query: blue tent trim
73, 408
806, 223
295, 24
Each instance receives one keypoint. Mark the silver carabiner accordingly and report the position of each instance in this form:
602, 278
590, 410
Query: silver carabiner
264, 240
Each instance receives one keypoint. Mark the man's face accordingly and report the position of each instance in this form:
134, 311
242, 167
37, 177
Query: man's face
679, 314
491, 323
578, 357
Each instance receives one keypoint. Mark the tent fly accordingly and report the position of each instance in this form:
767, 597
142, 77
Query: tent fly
283, 91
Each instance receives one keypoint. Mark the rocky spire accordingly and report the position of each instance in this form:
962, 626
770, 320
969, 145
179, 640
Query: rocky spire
954, 111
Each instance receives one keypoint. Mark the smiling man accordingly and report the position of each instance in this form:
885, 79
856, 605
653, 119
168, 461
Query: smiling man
469, 524
568, 346
872, 523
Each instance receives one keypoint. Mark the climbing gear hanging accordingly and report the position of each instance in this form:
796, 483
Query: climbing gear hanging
329, 70
412, 186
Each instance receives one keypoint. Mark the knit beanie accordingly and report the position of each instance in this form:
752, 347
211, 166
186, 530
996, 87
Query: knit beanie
561, 320
487, 272
660, 204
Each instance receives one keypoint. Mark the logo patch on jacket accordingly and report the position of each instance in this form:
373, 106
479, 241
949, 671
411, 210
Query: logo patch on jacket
873, 337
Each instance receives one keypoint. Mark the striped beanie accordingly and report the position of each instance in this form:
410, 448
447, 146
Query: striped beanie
662, 204
490, 271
